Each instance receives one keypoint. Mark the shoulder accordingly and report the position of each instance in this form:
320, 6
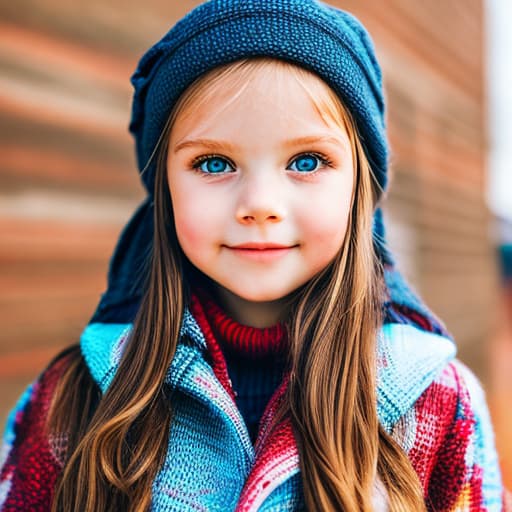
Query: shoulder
37, 398
26, 449
423, 428
452, 407
457, 398
50, 375
450, 441
455, 394
43, 386
33, 404
30, 460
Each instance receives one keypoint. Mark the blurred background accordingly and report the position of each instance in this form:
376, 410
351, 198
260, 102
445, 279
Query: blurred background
68, 179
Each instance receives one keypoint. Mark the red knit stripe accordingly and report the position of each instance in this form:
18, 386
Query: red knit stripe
34, 463
218, 362
249, 341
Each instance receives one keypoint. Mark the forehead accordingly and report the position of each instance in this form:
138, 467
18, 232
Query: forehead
269, 95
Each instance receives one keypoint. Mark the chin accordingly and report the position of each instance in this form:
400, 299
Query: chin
265, 297
260, 295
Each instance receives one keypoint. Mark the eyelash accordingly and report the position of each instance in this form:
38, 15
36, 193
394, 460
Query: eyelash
194, 166
324, 160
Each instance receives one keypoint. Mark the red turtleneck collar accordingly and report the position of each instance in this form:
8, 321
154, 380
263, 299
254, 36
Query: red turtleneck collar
243, 340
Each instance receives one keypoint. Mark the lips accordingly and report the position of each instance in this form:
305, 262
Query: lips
261, 246
261, 252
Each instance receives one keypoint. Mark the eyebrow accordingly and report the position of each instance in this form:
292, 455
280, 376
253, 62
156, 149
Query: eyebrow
217, 145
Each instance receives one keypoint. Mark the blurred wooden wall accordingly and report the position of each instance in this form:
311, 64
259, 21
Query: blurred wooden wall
68, 181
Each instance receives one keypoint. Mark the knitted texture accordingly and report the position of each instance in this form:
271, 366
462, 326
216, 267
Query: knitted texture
243, 340
254, 357
328, 41
211, 463
31, 460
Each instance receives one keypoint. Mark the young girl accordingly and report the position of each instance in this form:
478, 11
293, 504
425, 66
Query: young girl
256, 348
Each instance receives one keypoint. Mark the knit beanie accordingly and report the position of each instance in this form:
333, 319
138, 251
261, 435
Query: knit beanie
325, 40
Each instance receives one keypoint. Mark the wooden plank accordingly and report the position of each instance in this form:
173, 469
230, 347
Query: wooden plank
24, 167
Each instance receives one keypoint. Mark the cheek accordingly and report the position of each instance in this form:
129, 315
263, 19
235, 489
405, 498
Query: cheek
194, 217
190, 226
325, 221
189, 236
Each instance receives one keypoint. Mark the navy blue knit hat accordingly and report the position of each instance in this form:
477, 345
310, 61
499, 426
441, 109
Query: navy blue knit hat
325, 40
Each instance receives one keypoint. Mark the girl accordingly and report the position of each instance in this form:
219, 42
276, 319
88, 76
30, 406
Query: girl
256, 348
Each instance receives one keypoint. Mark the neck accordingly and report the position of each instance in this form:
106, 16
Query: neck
254, 314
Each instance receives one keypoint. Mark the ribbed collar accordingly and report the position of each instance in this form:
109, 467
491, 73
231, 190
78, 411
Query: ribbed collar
243, 340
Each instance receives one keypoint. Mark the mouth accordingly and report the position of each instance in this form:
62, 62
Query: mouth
261, 246
261, 252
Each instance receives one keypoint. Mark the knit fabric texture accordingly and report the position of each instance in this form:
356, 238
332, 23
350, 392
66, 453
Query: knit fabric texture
430, 403
242, 340
255, 357
326, 40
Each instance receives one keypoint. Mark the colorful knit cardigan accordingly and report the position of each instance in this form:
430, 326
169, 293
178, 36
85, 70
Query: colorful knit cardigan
430, 403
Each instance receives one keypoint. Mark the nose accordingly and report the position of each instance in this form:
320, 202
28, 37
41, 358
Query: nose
261, 200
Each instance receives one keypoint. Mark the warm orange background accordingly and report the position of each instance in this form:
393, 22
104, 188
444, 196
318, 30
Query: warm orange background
68, 181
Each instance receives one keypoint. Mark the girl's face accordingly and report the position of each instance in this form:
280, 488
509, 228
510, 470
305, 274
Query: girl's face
261, 187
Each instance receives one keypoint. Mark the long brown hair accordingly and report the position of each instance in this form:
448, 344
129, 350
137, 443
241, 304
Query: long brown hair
115, 450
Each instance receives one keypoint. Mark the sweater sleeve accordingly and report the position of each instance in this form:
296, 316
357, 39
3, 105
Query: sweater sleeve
466, 465
29, 459
484, 477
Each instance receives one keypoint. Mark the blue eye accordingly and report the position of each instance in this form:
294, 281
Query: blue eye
308, 163
212, 165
